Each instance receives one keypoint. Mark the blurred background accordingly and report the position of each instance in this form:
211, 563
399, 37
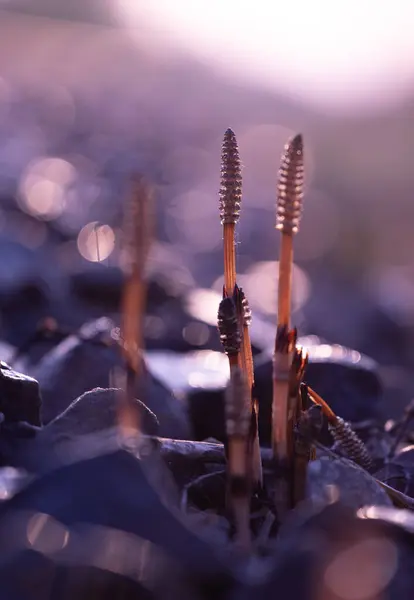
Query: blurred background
92, 91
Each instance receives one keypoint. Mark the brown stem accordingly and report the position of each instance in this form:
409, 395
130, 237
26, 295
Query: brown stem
326, 409
285, 279
229, 258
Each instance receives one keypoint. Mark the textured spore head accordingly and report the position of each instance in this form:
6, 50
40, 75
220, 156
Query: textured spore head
228, 326
290, 187
231, 180
243, 306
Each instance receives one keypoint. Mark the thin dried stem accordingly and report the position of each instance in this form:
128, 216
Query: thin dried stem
289, 207
297, 371
300, 459
282, 362
137, 238
284, 348
237, 427
343, 433
229, 257
230, 203
245, 317
285, 280
326, 409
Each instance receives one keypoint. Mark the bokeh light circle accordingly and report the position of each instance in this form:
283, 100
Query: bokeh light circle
96, 241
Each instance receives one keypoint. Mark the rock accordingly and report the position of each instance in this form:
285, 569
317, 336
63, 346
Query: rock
15, 438
47, 334
167, 324
398, 472
171, 327
99, 285
404, 457
19, 396
24, 295
86, 361
116, 491
377, 441
398, 526
43, 578
200, 370
208, 493
11, 481
339, 555
86, 582
206, 411
345, 379
7, 352
171, 324
396, 476
200, 377
331, 477
188, 459
328, 476
95, 411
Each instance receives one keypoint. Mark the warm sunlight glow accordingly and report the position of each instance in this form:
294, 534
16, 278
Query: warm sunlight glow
337, 54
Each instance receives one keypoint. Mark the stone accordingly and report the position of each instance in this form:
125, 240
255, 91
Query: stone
86, 361
11, 481
330, 476
24, 294
404, 457
396, 476
47, 334
397, 526
339, 554
345, 379
206, 412
99, 285
95, 411
167, 323
398, 471
7, 352
44, 578
116, 491
20, 398
200, 377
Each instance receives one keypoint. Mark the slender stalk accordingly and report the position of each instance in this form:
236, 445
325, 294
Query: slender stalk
285, 279
230, 202
245, 317
280, 416
137, 237
326, 409
229, 246
239, 482
297, 371
289, 208
237, 410
301, 458
343, 434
